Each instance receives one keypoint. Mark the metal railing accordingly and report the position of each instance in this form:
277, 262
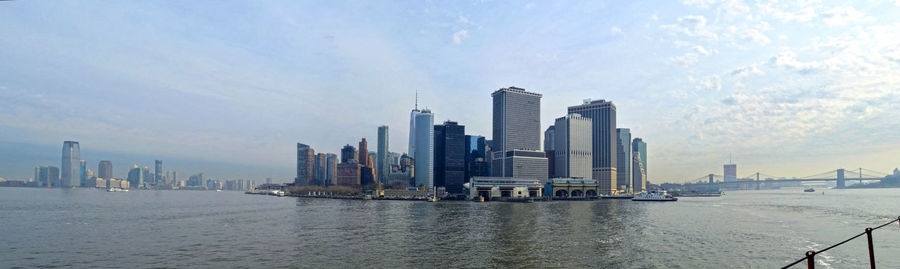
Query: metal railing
811, 255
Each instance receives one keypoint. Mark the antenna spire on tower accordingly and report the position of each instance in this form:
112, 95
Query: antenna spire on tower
417, 99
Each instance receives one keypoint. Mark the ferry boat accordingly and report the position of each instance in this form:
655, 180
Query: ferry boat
654, 196
809, 190
115, 189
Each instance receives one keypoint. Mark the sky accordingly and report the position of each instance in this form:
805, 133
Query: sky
786, 88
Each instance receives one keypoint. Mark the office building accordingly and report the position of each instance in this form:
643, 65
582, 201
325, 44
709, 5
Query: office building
348, 174
363, 152
412, 127
82, 174
623, 155
197, 180
639, 177
517, 135
105, 169
450, 157
320, 169
348, 154
572, 152
48, 176
158, 173
730, 172
305, 162
383, 161
549, 135
639, 147
476, 161
603, 133
136, 176
331, 162
424, 148
71, 165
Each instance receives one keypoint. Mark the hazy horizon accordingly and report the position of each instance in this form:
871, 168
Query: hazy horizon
229, 88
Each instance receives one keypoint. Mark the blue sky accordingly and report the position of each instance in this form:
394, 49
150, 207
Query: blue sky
788, 88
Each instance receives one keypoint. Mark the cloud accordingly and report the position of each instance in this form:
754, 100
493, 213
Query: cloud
463, 19
615, 30
691, 25
688, 59
840, 16
458, 36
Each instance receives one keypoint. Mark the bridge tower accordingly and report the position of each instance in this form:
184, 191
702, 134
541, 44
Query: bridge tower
840, 178
711, 178
757, 180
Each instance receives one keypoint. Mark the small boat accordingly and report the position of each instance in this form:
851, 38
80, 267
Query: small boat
115, 189
218, 190
654, 196
809, 190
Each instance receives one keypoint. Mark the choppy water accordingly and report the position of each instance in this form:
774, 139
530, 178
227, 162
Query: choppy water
87, 228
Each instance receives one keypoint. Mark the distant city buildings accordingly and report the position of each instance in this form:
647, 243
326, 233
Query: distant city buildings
320, 168
638, 174
450, 157
383, 162
424, 148
331, 161
476, 162
47, 176
516, 135
624, 160
573, 153
71, 165
158, 173
730, 172
305, 162
105, 169
603, 117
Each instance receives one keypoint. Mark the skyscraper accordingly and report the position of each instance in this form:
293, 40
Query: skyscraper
730, 172
305, 161
412, 127
348, 154
330, 169
517, 135
549, 135
383, 162
603, 134
450, 156
105, 169
476, 163
320, 169
639, 147
639, 177
624, 160
48, 176
136, 176
363, 152
82, 174
424, 149
158, 173
572, 151
71, 163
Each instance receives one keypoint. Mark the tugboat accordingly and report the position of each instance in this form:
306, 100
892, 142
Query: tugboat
809, 190
654, 196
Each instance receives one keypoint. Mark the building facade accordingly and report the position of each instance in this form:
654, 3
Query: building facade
639, 177
603, 134
639, 147
105, 169
383, 162
573, 155
730, 172
331, 161
500, 188
70, 173
320, 169
424, 149
305, 165
516, 131
158, 173
623, 155
450, 157
476, 153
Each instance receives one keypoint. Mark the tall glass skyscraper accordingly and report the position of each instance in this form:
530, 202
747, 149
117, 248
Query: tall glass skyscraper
424, 148
603, 134
383, 159
71, 165
319, 169
158, 173
623, 158
305, 161
331, 169
82, 173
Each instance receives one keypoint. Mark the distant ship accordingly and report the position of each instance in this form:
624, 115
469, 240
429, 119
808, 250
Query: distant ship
115, 189
809, 190
654, 196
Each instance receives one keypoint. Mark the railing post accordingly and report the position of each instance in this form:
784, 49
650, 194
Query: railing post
811, 259
871, 248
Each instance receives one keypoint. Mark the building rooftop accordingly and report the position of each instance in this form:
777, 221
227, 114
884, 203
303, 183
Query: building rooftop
513, 89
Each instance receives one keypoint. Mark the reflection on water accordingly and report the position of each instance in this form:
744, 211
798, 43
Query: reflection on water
91, 228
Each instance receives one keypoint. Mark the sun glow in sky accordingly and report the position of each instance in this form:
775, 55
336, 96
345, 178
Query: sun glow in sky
789, 88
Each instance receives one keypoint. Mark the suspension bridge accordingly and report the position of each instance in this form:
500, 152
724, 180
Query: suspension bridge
840, 176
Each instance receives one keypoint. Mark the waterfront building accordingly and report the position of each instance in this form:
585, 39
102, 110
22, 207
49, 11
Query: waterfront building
603, 135
82, 174
348, 174
549, 138
363, 152
348, 154
424, 148
639, 147
383, 163
476, 153
331, 161
638, 174
574, 142
158, 173
174, 178
71, 163
517, 135
320, 169
305, 162
730, 172
572, 188
450, 157
105, 169
136, 176
48, 176
500, 188
623, 161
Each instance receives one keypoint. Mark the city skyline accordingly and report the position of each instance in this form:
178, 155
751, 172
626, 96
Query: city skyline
785, 95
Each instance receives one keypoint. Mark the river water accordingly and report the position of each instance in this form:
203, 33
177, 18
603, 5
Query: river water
87, 228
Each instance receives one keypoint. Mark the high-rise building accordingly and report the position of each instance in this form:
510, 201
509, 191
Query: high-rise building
198, 180
383, 161
330, 169
348, 174
639, 147
158, 171
305, 162
136, 176
48, 176
730, 172
174, 178
348, 154
624, 160
549, 135
424, 148
517, 135
82, 174
105, 169
412, 127
476, 163
320, 169
170, 180
450, 157
71, 163
572, 151
363, 152
639, 177
603, 134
